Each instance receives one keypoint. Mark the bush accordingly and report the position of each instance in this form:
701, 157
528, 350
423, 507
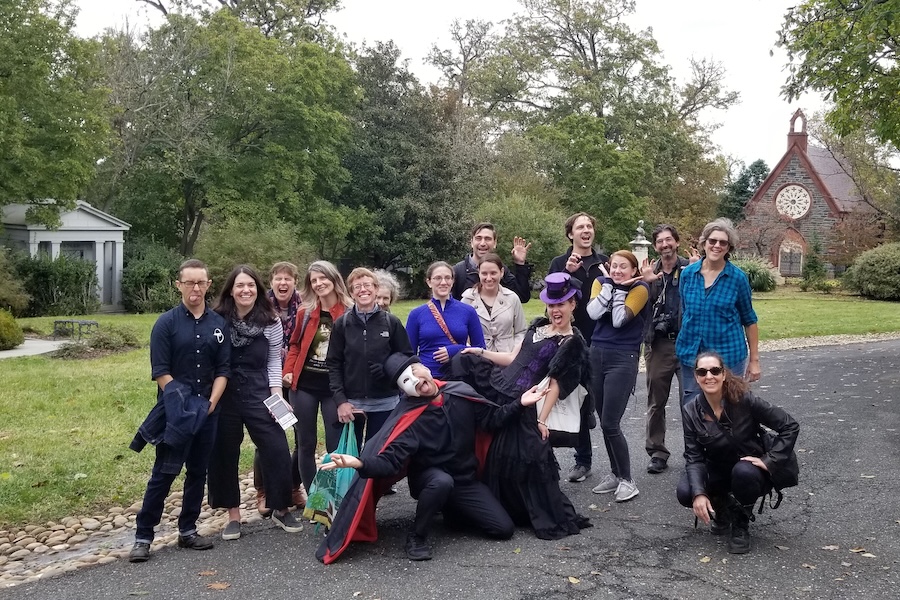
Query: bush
13, 296
814, 270
102, 342
876, 273
148, 277
10, 333
223, 247
65, 286
759, 271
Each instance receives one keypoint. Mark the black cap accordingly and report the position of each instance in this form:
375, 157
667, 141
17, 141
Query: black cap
396, 363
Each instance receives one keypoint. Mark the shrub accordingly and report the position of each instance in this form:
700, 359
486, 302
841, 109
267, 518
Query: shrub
224, 246
65, 286
148, 277
10, 333
13, 296
108, 339
814, 270
759, 271
876, 273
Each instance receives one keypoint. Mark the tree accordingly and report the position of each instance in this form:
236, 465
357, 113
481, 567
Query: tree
739, 191
847, 49
53, 125
216, 121
762, 228
401, 170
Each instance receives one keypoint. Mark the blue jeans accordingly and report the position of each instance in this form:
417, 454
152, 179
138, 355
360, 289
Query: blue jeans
160, 484
613, 375
689, 385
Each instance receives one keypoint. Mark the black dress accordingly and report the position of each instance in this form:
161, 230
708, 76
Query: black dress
521, 468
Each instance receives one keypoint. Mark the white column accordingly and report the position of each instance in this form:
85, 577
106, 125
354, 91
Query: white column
54, 250
118, 262
98, 265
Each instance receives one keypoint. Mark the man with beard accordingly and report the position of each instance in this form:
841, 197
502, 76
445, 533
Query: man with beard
662, 275
582, 262
484, 241
431, 438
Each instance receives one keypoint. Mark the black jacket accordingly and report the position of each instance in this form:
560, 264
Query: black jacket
515, 277
586, 273
717, 445
355, 347
656, 289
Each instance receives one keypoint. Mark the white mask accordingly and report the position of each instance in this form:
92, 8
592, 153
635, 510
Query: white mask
408, 382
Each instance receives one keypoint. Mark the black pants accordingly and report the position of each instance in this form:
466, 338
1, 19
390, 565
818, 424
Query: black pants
468, 502
746, 481
259, 480
270, 440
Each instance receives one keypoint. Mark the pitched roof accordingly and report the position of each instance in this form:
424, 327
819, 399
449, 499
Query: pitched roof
827, 165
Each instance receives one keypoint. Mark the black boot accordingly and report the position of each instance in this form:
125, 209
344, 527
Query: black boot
739, 543
417, 547
720, 524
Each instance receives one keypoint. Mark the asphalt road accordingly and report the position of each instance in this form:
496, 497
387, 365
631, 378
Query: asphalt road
837, 535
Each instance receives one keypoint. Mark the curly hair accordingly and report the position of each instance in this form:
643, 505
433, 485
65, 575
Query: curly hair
733, 387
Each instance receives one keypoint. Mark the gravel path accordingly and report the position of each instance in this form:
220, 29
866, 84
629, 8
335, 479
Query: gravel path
37, 551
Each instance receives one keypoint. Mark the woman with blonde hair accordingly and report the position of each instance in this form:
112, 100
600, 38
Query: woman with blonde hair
499, 309
305, 372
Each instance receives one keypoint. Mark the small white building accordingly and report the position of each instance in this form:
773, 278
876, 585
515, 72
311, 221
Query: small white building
86, 232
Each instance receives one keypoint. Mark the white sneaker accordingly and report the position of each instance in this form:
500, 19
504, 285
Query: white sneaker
626, 490
608, 484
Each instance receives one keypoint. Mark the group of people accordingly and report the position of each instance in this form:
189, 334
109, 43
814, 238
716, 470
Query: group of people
459, 399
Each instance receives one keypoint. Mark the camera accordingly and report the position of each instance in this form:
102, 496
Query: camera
663, 323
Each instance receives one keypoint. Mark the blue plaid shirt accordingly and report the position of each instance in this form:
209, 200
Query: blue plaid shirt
714, 318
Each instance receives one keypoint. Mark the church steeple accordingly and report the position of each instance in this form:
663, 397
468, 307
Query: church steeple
798, 138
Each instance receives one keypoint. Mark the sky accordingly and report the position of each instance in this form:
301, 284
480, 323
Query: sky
740, 35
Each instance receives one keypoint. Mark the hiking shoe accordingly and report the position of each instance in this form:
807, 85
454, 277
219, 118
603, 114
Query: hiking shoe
579, 473
232, 531
417, 548
608, 484
264, 510
657, 465
287, 521
194, 541
739, 542
626, 490
299, 497
140, 552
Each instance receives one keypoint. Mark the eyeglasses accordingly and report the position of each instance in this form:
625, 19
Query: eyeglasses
362, 286
717, 242
193, 284
701, 372
440, 278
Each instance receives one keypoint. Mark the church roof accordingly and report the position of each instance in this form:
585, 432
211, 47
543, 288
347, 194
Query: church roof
827, 166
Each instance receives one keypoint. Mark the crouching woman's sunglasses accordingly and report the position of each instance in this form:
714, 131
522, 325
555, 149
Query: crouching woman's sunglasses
701, 372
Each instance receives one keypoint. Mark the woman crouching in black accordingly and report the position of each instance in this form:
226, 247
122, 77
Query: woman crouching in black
730, 461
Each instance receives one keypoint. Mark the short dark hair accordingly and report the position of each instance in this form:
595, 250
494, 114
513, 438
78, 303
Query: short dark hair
193, 263
478, 227
664, 227
570, 222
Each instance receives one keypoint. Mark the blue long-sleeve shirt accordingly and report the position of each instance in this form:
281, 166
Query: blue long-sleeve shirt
426, 336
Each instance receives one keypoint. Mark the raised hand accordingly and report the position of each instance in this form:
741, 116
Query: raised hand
520, 250
647, 273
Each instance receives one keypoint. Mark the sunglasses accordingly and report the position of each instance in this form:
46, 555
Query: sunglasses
716, 371
717, 242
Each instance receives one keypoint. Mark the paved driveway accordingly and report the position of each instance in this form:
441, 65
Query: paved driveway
837, 535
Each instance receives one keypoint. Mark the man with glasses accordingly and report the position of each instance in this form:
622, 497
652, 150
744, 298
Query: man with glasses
517, 277
190, 350
717, 310
662, 275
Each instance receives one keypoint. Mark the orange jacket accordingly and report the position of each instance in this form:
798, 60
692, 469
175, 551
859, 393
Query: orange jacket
298, 347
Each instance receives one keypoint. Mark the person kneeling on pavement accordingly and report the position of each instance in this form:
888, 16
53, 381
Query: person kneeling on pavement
730, 460
430, 437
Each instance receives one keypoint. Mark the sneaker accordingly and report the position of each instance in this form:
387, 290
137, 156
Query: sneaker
194, 541
140, 552
287, 521
579, 473
232, 531
417, 548
608, 484
657, 465
626, 490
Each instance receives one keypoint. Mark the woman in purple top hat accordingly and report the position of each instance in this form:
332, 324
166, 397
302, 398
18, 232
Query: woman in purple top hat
521, 468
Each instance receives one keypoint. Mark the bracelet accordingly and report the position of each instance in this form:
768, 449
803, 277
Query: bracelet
542, 423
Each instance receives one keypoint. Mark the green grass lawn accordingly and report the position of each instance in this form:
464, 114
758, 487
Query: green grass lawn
65, 425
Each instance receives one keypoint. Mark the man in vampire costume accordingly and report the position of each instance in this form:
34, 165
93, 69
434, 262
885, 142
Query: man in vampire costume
431, 438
